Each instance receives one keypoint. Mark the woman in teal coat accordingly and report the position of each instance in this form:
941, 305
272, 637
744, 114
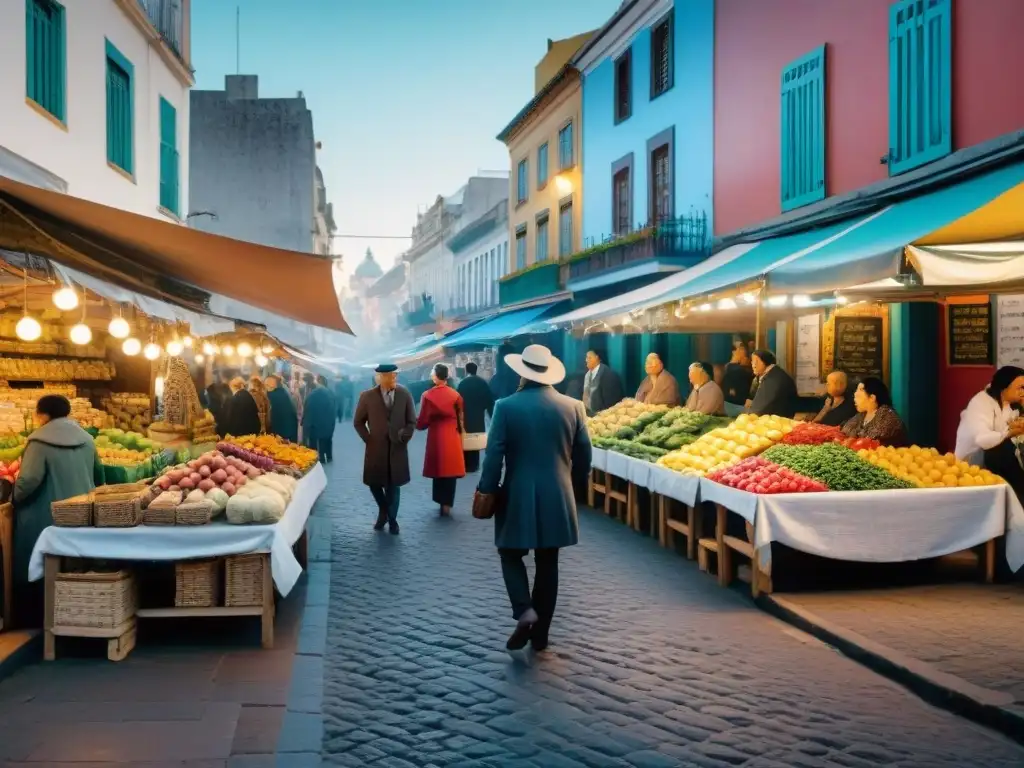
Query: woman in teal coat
59, 462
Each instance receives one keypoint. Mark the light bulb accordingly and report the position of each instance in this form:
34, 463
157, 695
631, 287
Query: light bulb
268, 348
131, 347
174, 347
81, 334
119, 328
227, 350
244, 349
209, 349
187, 341
28, 329
704, 308
842, 300
200, 359
260, 359
726, 304
801, 301
778, 301
158, 386
65, 298
152, 351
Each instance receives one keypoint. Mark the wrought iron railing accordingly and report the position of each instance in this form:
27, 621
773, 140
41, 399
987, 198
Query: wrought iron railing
168, 19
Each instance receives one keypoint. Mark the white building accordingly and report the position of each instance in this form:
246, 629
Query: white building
94, 100
479, 245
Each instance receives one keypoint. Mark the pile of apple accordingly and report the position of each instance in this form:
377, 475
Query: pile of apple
758, 475
209, 471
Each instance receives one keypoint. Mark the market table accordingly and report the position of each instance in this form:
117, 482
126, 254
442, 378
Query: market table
177, 543
870, 526
670, 487
606, 468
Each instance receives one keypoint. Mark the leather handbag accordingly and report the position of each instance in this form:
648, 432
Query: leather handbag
487, 505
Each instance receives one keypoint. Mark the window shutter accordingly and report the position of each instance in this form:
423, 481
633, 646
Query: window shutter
168, 156
45, 55
920, 77
120, 111
802, 154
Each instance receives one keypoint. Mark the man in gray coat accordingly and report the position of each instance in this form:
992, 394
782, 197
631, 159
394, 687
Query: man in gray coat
540, 436
385, 419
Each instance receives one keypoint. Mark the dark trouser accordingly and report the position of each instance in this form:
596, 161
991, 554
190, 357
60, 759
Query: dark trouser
444, 491
472, 459
545, 585
325, 447
387, 499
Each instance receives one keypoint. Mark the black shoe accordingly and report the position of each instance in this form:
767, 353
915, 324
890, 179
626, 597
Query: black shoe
519, 638
393, 529
382, 518
539, 643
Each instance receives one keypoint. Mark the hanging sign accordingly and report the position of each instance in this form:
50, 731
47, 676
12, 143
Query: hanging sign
808, 354
859, 346
969, 331
1010, 330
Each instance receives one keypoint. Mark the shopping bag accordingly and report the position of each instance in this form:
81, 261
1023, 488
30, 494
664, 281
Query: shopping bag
474, 441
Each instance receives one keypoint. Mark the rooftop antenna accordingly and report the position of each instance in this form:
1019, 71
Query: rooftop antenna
238, 39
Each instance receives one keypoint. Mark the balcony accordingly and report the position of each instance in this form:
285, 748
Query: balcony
669, 246
533, 282
167, 17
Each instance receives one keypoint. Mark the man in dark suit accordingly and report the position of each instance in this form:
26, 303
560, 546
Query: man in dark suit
540, 436
478, 401
776, 390
602, 387
385, 419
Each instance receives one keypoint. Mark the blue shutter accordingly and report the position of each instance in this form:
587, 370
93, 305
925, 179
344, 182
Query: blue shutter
802, 153
920, 77
120, 110
168, 156
45, 55
542, 165
565, 159
522, 182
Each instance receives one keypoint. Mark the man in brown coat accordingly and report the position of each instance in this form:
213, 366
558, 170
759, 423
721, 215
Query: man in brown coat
660, 387
385, 419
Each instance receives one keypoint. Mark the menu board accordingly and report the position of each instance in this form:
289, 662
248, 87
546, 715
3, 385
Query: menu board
858, 346
808, 354
969, 330
1010, 330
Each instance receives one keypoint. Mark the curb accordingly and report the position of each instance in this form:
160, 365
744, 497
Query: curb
954, 694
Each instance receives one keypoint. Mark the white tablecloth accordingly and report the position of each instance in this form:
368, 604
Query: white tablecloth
617, 464
674, 485
880, 526
159, 542
598, 458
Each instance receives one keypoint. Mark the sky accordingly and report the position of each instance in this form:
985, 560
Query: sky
406, 95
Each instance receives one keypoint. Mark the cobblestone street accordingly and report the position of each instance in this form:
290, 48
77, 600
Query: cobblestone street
651, 663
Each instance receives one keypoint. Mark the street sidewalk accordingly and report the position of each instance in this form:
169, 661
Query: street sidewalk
957, 645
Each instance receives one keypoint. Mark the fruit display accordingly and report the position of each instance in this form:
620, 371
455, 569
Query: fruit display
836, 466
254, 457
30, 369
130, 410
271, 446
624, 420
11, 448
758, 475
209, 471
119, 446
262, 501
83, 414
204, 429
810, 433
14, 420
679, 427
927, 468
747, 436
633, 449
9, 472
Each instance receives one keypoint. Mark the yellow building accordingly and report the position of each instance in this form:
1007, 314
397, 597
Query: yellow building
543, 140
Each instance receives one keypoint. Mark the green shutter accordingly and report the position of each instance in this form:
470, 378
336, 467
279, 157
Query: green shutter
120, 110
802, 153
168, 156
45, 55
920, 77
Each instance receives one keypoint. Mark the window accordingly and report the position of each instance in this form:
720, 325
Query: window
920, 94
521, 248
120, 110
542, 240
624, 86
565, 230
622, 201
565, 159
168, 157
661, 184
45, 55
522, 193
802, 155
542, 165
662, 74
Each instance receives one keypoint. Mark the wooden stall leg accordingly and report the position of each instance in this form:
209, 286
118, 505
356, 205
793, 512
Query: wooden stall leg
51, 567
632, 507
302, 549
590, 489
118, 648
692, 518
725, 562
990, 561
267, 617
607, 494
664, 510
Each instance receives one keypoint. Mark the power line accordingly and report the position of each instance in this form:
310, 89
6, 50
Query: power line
376, 237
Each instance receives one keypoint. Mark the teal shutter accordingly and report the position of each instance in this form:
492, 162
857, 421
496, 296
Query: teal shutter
120, 110
802, 154
46, 55
168, 157
920, 77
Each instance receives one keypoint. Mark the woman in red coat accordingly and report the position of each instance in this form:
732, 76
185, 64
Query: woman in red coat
441, 412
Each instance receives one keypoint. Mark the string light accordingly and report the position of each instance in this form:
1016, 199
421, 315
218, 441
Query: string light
174, 347
727, 304
209, 349
131, 347
228, 350
200, 359
260, 359
152, 351
119, 327
65, 299
244, 349
778, 301
187, 341
268, 348
28, 328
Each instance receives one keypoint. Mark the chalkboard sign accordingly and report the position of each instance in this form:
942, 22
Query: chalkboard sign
969, 330
858, 346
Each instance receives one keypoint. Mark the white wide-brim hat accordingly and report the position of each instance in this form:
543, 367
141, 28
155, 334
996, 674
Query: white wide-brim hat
537, 364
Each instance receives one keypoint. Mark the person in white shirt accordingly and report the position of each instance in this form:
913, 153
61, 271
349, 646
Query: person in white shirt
990, 416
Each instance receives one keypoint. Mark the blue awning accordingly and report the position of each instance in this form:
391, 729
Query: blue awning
497, 329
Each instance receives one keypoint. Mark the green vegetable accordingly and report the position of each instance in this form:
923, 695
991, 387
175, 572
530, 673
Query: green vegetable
834, 465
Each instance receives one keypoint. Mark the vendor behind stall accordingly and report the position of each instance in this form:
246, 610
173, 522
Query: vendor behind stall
776, 391
660, 387
839, 407
706, 396
59, 462
737, 379
991, 417
876, 419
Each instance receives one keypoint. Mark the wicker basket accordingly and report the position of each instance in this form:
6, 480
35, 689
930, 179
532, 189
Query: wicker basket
197, 513
75, 512
117, 510
158, 515
243, 580
197, 583
101, 600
